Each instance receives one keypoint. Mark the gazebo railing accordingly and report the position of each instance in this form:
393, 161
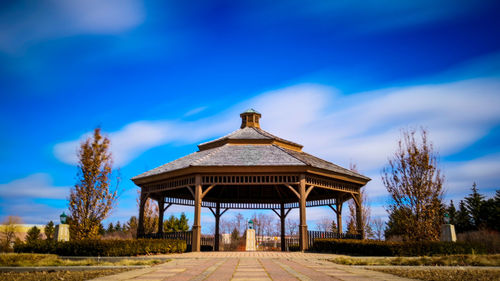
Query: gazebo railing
209, 240
314, 234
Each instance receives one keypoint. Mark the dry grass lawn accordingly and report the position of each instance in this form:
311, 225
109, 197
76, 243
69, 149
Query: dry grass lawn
54, 260
452, 260
442, 274
58, 275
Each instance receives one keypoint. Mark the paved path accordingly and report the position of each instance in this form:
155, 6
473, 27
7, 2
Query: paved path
222, 266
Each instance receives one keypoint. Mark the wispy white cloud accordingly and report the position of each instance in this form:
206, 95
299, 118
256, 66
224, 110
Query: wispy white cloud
195, 111
33, 186
27, 22
21, 197
362, 128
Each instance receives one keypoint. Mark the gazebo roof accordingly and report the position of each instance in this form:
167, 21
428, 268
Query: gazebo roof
249, 146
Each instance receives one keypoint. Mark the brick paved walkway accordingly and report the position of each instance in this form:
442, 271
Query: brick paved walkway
221, 266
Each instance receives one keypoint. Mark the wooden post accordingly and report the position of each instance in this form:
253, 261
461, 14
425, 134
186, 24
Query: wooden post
339, 215
140, 226
196, 242
359, 219
303, 244
282, 219
161, 210
217, 221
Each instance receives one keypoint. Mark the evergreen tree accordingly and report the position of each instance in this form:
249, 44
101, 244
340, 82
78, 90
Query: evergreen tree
463, 221
111, 228
183, 222
102, 231
333, 227
118, 226
235, 235
33, 234
395, 225
473, 203
171, 224
49, 230
452, 213
351, 227
490, 216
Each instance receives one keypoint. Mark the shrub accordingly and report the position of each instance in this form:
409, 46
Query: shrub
489, 238
384, 248
103, 247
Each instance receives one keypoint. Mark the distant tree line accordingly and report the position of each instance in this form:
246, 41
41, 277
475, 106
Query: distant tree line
475, 212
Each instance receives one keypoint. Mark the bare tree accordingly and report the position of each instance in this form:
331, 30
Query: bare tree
91, 199
10, 226
240, 223
292, 227
365, 216
226, 226
414, 181
378, 228
325, 224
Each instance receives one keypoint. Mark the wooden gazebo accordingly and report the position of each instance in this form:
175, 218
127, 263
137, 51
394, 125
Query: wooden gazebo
250, 169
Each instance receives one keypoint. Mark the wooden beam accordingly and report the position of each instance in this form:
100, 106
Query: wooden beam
303, 245
207, 190
309, 189
213, 212
196, 242
293, 189
276, 212
224, 211
355, 199
191, 190
167, 206
331, 207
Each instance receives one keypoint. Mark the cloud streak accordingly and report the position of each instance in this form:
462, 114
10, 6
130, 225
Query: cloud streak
362, 128
33, 186
45, 20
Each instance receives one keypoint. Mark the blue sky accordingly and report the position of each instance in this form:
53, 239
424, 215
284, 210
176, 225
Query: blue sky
159, 77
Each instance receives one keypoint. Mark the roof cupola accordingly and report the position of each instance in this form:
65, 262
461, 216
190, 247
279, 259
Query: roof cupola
250, 118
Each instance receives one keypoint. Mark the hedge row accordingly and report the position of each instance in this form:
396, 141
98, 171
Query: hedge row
107, 248
383, 248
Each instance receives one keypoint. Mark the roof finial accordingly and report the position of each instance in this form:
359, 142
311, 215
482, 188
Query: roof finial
250, 118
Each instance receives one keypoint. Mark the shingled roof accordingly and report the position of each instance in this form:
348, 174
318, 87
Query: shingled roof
246, 147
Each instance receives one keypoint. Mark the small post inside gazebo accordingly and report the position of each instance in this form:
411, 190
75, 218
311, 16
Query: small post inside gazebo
250, 169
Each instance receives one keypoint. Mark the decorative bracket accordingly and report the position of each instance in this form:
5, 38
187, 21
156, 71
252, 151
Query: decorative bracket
207, 190
293, 189
190, 190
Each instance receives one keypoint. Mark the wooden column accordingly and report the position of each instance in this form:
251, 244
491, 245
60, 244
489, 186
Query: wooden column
196, 242
303, 245
282, 219
161, 211
339, 215
140, 225
217, 222
359, 219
